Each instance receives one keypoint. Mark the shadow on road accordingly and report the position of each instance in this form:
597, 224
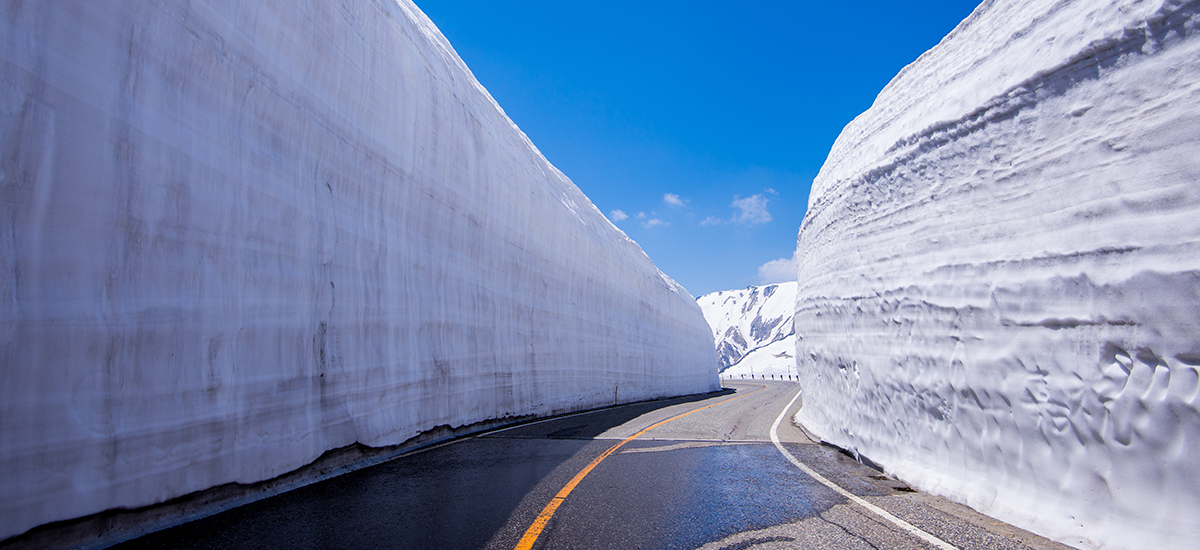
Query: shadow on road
453, 496
595, 422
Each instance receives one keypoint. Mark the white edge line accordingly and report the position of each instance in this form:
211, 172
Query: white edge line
939, 543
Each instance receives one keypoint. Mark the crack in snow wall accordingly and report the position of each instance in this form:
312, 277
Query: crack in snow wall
999, 294
238, 234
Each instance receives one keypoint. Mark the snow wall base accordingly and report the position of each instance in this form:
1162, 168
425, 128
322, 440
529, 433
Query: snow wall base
240, 234
1000, 273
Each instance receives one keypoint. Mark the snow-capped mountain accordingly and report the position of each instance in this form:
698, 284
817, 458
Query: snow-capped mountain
1000, 272
752, 328
239, 234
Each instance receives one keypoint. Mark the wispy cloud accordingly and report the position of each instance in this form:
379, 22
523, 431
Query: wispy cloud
655, 222
673, 199
641, 215
751, 210
778, 271
618, 215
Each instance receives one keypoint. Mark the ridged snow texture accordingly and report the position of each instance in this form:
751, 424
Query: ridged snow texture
239, 234
1000, 272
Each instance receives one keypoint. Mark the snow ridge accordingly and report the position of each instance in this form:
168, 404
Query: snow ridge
1000, 272
752, 328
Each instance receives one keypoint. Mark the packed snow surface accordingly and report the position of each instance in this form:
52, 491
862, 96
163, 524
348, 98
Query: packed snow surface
237, 234
752, 329
776, 360
999, 272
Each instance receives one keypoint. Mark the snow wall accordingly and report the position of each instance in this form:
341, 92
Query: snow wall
237, 234
999, 272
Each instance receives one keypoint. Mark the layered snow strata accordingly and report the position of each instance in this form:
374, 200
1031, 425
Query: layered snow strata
752, 328
239, 234
1000, 272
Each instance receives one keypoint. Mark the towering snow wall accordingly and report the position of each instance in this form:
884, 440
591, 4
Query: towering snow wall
999, 272
237, 234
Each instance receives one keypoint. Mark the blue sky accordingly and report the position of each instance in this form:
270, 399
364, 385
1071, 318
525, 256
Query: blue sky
703, 122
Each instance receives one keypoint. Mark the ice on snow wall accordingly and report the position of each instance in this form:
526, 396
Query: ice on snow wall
999, 272
237, 234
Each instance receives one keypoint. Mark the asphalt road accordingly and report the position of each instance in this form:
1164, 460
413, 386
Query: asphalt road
711, 479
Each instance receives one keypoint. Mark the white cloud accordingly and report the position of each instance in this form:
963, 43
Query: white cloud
778, 271
754, 210
673, 199
641, 215
618, 215
655, 222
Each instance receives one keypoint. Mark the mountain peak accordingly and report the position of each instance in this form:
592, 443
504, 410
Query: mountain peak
752, 328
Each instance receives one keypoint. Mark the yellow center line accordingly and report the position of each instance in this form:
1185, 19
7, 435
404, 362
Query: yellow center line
535, 530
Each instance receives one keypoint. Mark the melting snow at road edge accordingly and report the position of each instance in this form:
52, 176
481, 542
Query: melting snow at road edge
239, 234
999, 273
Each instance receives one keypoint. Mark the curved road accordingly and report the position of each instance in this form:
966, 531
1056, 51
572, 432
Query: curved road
702, 472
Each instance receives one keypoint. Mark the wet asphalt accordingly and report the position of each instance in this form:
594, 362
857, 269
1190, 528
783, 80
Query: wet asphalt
711, 479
